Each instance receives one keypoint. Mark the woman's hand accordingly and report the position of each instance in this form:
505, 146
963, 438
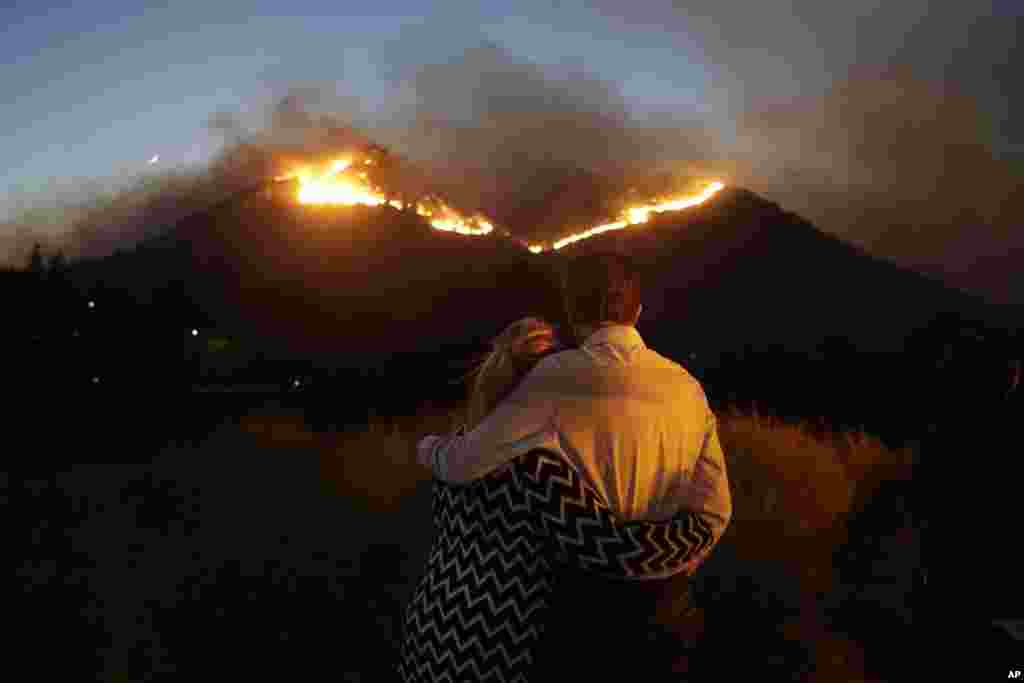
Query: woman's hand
427, 445
425, 450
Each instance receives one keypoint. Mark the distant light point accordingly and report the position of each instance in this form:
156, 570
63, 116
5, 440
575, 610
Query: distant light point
92, 304
195, 332
154, 159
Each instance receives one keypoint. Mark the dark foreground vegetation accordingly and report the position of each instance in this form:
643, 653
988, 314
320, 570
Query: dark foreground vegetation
187, 502
83, 335
265, 548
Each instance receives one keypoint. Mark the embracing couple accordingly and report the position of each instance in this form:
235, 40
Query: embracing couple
573, 507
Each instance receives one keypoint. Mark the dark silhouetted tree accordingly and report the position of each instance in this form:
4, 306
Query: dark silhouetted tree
58, 264
36, 265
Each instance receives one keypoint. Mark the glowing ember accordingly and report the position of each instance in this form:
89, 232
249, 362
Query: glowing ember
335, 186
638, 214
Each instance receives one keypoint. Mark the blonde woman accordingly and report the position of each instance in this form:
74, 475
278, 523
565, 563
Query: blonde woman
517, 349
506, 542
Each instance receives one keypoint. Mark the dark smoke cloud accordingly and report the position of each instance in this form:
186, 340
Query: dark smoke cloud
543, 149
85, 222
895, 125
887, 160
539, 149
94, 220
305, 122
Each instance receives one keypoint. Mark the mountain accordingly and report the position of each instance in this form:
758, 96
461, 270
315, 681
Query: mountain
362, 281
322, 281
738, 270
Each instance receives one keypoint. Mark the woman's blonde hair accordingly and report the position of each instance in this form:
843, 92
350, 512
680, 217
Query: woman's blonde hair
514, 352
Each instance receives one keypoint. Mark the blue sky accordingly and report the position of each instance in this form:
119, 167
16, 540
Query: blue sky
96, 89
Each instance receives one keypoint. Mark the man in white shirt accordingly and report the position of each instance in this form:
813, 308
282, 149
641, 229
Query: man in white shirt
639, 429
636, 424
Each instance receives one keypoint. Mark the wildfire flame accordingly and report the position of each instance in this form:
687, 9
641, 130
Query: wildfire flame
335, 185
634, 215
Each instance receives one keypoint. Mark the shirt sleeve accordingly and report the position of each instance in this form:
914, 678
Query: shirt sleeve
711, 495
525, 420
584, 534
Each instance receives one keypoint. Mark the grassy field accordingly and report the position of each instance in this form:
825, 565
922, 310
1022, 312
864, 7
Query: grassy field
274, 549
794, 491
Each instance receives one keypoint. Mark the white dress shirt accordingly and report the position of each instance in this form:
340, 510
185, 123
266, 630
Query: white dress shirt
636, 424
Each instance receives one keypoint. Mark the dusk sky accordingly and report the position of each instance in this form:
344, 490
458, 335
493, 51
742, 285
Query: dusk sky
808, 102
96, 90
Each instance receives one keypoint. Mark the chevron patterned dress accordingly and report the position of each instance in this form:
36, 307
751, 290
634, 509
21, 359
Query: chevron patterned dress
479, 611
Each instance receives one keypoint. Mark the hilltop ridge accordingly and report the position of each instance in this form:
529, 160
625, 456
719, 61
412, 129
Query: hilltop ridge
737, 270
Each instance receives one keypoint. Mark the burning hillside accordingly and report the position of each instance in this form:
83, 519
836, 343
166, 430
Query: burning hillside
356, 248
350, 181
635, 215
356, 275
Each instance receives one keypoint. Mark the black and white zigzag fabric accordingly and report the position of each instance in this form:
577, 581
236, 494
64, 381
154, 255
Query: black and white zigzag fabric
479, 610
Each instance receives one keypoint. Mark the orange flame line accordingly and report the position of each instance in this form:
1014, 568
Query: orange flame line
636, 215
326, 188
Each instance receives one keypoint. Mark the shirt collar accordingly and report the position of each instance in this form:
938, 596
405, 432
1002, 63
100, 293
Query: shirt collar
618, 336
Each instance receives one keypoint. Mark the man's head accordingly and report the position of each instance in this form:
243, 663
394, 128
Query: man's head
601, 289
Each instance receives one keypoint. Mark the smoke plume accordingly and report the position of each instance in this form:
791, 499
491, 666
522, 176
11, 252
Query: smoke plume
895, 126
544, 149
